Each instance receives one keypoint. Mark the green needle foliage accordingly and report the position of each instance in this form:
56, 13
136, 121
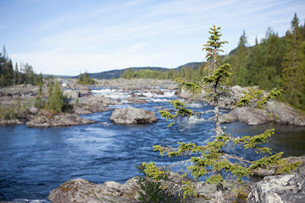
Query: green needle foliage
215, 156
153, 186
84, 79
57, 102
38, 100
259, 96
213, 45
181, 111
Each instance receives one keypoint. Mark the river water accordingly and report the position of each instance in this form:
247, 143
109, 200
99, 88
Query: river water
33, 161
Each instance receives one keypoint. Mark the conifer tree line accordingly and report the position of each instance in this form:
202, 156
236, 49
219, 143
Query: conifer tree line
274, 62
186, 72
18, 74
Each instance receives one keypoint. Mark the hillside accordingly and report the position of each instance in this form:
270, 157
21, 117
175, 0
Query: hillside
193, 65
117, 73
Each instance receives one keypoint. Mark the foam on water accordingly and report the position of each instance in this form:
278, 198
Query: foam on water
160, 100
111, 93
124, 95
193, 120
32, 200
195, 105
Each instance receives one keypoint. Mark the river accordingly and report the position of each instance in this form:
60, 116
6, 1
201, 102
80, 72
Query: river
33, 161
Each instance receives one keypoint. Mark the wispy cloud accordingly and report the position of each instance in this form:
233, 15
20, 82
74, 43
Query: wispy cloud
116, 34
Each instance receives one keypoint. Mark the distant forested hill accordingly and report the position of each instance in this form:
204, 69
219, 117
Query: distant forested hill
194, 65
118, 73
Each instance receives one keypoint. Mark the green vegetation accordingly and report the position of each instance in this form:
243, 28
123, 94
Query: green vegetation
56, 100
38, 100
150, 190
12, 112
275, 62
8, 113
185, 72
84, 79
215, 158
13, 76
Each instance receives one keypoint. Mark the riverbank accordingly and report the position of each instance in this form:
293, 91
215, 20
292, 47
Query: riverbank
19, 101
275, 188
272, 111
84, 102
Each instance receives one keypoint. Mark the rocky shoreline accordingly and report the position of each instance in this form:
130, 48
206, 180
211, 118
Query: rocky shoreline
288, 188
86, 102
275, 188
273, 111
45, 119
81, 190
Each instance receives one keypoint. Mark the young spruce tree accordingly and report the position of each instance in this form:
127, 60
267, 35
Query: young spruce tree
214, 157
56, 100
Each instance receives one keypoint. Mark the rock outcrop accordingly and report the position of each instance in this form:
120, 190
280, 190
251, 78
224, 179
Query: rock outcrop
272, 112
228, 101
80, 190
245, 114
48, 119
132, 115
281, 188
10, 121
93, 104
284, 114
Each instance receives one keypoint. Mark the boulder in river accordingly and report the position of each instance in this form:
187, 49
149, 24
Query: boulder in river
93, 104
132, 115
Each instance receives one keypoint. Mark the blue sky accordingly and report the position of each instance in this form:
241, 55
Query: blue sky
72, 36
